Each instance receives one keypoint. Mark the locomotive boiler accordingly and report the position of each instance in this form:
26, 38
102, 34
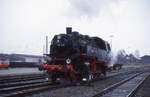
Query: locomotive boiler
77, 57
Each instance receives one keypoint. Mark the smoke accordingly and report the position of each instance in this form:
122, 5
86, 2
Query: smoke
113, 58
88, 8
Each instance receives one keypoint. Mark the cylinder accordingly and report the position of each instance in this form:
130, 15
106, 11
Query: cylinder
68, 30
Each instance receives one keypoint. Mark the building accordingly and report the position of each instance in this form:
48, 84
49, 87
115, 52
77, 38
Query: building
4, 59
26, 58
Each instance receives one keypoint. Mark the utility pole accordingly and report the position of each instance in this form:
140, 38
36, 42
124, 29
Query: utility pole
111, 37
46, 45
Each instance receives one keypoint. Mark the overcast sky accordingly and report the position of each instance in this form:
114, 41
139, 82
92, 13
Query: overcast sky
25, 23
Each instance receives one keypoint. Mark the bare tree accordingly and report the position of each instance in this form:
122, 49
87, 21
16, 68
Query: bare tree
137, 54
121, 56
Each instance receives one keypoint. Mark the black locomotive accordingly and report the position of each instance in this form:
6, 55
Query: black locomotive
77, 57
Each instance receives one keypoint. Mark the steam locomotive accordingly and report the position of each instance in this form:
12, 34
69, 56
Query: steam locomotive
77, 57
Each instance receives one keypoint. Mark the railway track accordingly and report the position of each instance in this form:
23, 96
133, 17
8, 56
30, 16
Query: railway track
142, 89
26, 84
10, 84
124, 88
18, 78
76, 90
27, 88
20, 85
30, 85
137, 87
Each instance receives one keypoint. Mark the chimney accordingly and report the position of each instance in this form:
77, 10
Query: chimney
68, 30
